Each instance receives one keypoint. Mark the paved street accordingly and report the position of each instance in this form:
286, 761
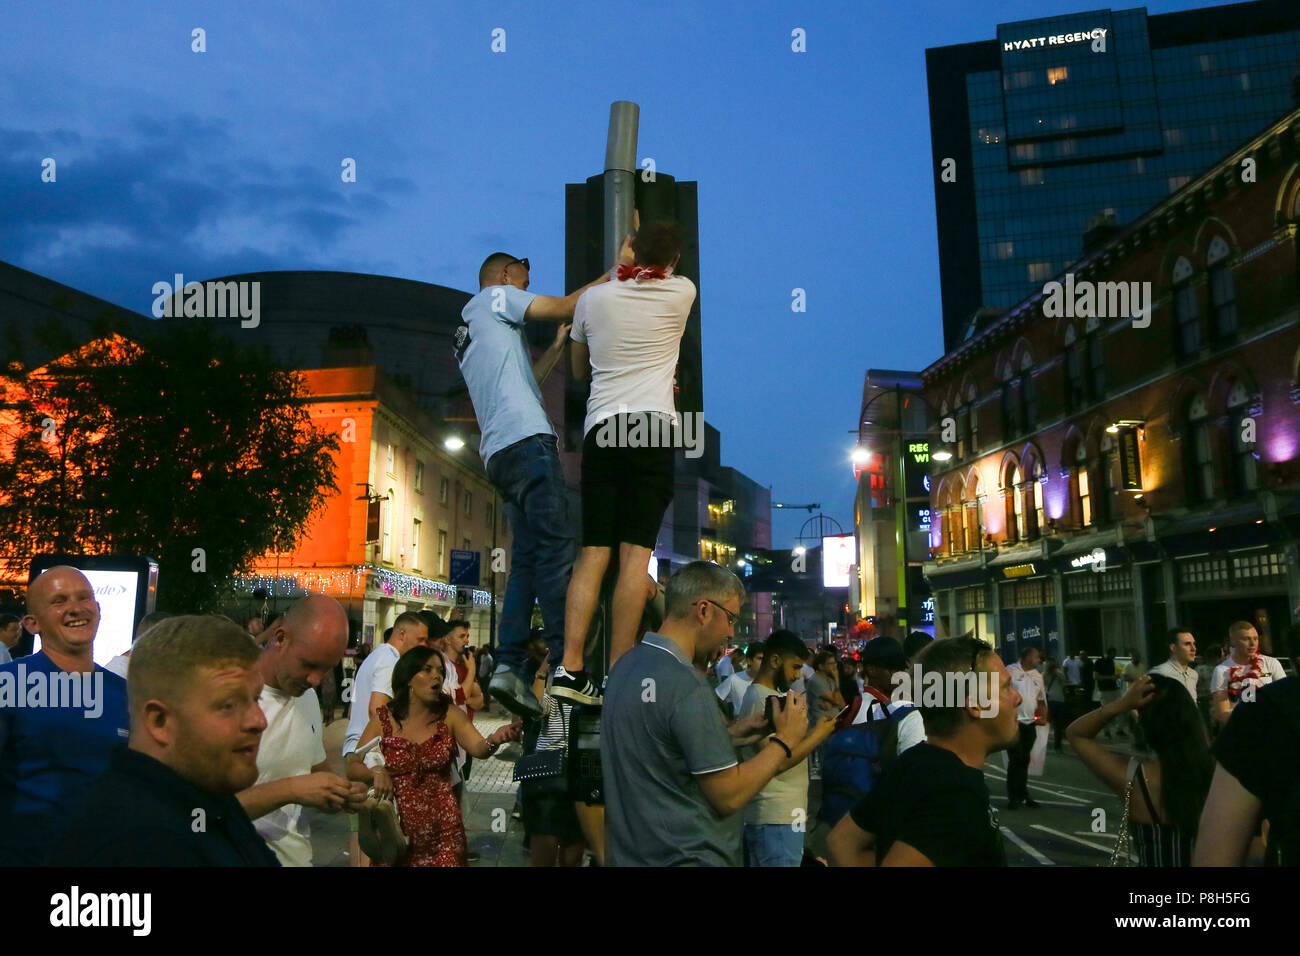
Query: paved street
1059, 833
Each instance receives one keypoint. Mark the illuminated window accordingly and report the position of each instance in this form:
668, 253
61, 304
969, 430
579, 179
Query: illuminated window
1040, 519
415, 543
442, 552
1081, 479
1057, 74
1039, 271
1004, 250
386, 552
1018, 499
442, 491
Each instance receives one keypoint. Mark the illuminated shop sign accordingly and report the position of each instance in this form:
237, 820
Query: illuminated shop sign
1057, 40
1019, 571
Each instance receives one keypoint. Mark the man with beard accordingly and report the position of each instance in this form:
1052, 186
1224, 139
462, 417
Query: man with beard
61, 716
777, 817
168, 799
301, 648
931, 808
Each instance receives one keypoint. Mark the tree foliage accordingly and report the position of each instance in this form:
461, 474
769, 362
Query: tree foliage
156, 445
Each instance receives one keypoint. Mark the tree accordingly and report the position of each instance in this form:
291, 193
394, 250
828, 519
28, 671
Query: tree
172, 440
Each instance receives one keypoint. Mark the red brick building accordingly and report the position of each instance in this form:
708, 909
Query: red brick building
1115, 472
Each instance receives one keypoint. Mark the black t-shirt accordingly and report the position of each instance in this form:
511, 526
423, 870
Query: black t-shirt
1260, 746
1104, 670
933, 802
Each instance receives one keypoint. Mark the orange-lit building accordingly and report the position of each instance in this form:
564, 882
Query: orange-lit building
383, 543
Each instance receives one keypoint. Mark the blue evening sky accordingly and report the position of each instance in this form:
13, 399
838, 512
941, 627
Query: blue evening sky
813, 168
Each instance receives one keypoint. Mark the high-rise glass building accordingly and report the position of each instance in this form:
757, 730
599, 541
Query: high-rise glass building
1069, 122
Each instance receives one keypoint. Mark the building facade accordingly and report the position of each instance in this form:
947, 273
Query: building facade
1064, 120
1127, 440
383, 543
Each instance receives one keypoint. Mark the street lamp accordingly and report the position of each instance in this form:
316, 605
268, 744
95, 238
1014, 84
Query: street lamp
453, 443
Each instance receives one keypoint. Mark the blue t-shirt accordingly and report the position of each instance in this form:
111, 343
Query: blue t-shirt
56, 733
498, 369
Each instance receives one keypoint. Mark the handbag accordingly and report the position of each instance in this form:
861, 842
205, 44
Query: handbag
379, 824
545, 764
1122, 854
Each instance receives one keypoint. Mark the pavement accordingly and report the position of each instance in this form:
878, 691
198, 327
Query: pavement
490, 830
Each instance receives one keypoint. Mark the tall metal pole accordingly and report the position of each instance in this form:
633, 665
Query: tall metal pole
900, 520
620, 176
619, 203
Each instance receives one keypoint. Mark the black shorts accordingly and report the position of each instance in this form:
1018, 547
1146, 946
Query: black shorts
549, 813
625, 490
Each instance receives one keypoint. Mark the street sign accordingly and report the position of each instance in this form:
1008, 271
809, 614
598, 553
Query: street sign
464, 568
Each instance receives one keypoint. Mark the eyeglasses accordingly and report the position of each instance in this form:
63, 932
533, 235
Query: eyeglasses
520, 262
731, 618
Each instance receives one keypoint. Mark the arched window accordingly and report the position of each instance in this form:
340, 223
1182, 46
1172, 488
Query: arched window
1040, 518
1223, 292
1186, 309
1245, 467
1200, 452
1082, 492
1018, 505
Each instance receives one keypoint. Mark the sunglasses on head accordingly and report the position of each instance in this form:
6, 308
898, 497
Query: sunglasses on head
520, 262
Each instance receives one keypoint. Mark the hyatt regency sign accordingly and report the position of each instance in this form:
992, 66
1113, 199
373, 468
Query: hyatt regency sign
1060, 39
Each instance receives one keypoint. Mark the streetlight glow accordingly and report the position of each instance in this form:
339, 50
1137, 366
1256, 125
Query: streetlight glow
453, 443
861, 455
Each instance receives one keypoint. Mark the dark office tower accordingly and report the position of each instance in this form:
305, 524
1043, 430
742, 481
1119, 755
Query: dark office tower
665, 198
1077, 124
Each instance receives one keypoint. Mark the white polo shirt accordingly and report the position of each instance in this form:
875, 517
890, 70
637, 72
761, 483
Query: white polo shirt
293, 743
1175, 671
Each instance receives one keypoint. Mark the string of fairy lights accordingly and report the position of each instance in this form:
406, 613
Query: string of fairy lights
353, 580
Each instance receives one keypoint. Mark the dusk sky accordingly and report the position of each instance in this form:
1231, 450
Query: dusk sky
813, 168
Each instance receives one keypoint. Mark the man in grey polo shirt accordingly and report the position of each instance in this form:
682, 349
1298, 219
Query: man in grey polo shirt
673, 785
1182, 657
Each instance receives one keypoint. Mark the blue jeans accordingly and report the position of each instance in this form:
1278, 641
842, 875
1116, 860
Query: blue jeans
773, 844
527, 476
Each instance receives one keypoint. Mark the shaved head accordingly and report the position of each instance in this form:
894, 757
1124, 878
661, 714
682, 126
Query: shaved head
61, 607
304, 644
492, 267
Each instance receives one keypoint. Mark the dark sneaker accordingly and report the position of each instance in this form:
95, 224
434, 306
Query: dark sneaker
1031, 803
509, 690
574, 687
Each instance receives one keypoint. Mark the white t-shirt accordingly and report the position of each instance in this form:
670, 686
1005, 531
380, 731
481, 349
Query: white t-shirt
1073, 668
1222, 678
799, 685
732, 690
374, 676
119, 665
1029, 685
911, 727
293, 743
633, 330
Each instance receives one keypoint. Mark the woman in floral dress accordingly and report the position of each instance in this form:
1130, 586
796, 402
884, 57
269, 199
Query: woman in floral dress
420, 730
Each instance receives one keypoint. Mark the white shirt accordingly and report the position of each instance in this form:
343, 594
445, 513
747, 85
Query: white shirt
1029, 685
1175, 671
1269, 666
374, 676
451, 684
119, 665
725, 668
633, 330
911, 727
1073, 668
293, 743
732, 690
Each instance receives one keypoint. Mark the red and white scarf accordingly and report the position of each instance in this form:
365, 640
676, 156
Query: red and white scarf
641, 273
1239, 677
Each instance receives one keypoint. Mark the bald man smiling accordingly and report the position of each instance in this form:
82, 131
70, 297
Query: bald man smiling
61, 716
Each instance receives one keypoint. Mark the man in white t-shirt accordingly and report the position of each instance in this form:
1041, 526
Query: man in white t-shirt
627, 336
732, 690
1028, 683
882, 695
301, 648
1243, 672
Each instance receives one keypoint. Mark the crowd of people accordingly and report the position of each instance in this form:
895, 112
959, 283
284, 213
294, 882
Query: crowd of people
203, 745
